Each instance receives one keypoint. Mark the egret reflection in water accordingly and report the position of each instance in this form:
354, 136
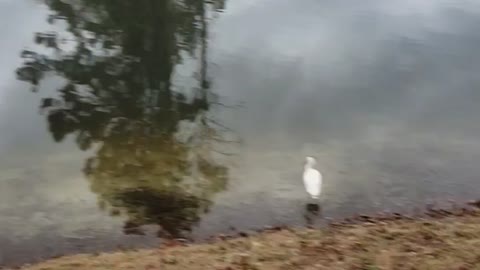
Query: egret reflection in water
118, 60
313, 212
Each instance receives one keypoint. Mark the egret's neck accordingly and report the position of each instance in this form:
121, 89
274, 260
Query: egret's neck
308, 166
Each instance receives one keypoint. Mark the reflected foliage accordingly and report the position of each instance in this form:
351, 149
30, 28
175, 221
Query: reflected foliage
175, 212
118, 59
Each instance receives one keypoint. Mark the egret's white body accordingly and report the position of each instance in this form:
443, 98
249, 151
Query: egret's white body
312, 179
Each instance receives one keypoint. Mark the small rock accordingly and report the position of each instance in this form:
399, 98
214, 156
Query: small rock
256, 244
169, 260
182, 241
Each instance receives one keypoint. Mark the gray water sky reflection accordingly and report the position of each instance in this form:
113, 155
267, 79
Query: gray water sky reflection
385, 94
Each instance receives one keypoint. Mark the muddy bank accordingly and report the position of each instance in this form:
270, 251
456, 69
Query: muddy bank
440, 239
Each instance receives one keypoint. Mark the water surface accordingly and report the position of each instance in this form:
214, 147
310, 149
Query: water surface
125, 123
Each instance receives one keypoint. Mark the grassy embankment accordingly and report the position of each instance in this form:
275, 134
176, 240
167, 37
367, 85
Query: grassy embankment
444, 240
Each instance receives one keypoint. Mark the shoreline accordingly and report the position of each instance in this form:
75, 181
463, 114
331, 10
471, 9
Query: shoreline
351, 243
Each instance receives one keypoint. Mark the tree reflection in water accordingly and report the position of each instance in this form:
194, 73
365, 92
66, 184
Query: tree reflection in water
118, 59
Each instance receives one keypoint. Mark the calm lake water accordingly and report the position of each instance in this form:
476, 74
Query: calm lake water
124, 123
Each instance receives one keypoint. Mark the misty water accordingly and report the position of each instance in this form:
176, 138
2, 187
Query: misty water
126, 122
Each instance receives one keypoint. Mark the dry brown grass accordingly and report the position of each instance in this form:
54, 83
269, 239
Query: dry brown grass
451, 243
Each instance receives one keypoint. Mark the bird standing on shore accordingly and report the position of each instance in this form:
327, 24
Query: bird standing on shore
312, 179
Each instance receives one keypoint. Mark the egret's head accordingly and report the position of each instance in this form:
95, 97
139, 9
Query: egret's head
310, 161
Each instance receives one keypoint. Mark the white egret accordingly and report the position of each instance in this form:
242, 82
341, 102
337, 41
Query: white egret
312, 179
